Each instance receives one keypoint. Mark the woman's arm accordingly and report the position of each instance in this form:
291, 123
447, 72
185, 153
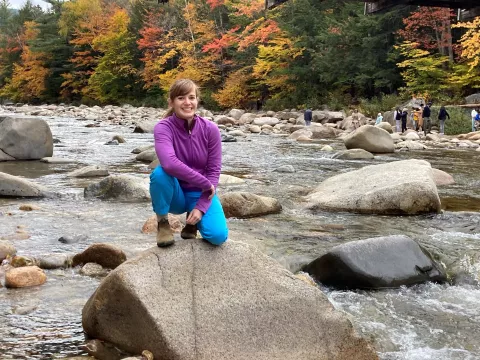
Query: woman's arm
169, 161
213, 168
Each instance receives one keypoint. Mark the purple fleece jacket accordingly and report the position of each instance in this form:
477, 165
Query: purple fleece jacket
193, 157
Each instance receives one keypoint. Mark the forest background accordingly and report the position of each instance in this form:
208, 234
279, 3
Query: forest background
302, 53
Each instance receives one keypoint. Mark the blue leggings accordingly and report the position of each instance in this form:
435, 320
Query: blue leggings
169, 197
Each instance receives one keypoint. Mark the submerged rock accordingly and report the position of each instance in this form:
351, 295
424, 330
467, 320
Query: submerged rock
119, 187
185, 302
399, 187
18, 187
376, 263
24, 277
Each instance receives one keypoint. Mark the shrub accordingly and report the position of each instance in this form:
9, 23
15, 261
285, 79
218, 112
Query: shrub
460, 121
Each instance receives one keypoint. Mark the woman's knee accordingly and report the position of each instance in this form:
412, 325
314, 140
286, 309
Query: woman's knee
159, 175
216, 236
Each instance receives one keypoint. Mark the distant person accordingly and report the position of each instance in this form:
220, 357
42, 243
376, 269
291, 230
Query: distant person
307, 116
476, 126
397, 115
427, 124
474, 115
355, 119
379, 119
259, 104
442, 116
415, 118
404, 119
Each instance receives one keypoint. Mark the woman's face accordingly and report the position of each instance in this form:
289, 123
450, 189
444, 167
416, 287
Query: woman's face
185, 106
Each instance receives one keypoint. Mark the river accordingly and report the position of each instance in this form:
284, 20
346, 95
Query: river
423, 322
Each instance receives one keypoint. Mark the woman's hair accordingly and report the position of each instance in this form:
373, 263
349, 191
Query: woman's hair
181, 87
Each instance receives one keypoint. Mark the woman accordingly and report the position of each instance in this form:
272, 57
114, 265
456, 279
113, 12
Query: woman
442, 116
379, 119
190, 153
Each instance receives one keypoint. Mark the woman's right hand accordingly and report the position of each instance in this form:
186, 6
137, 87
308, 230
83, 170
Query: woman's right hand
212, 192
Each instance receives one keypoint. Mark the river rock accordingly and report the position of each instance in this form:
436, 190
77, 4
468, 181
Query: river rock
147, 155
25, 138
145, 126
29, 207
93, 270
243, 204
226, 180
106, 255
119, 187
442, 178
301, 133
18, 187
150, 226
247, 118
385, 126
5, 157
398, 187
371, 139
140, 149
266, 121
412, 136
285, 169
225, 120
228, 138
236, 113
185, 302
54, 261
254, 129
410, 145
6, 249
102, 350
24, 277
323, 132
353, 154
376, 263
112, 142
90, 171
120, 139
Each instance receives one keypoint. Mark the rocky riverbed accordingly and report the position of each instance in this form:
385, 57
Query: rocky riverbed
427, 321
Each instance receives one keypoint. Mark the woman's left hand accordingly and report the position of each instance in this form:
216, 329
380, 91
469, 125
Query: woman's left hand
194, 217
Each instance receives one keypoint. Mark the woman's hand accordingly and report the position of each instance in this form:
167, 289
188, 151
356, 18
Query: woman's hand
194, 217
212, 192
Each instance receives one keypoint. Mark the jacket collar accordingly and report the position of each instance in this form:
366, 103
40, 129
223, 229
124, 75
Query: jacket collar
183, 124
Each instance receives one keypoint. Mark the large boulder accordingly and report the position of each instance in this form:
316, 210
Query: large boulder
185, 303
370, 138
323, 132
16, 186
376, 263
119, 187
399, 187
243, 204
260, 121
25, 138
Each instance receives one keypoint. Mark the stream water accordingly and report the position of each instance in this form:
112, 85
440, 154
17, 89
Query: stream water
428, 321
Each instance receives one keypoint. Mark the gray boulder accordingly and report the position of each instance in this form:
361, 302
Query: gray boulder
185, 303
25, 138
399, 187
323, 132
145, 126
18, 187
260, 121
353, 154
119, 187
90, 171
147, 155
243, 204
370, 138
376, 263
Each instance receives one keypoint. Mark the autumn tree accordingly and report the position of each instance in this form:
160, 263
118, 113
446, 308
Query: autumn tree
114, 76
28, 78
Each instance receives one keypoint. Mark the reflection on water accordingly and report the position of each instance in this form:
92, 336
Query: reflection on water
427, 321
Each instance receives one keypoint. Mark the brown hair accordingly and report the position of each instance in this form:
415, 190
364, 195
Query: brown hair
181, 87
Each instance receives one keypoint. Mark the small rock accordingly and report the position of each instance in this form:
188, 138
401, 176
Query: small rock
72, 239
93, 270
228, 138
119, 139
24, 277
29, 207
112, 142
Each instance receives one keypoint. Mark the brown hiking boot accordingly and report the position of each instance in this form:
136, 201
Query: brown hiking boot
189, 232
164, 233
